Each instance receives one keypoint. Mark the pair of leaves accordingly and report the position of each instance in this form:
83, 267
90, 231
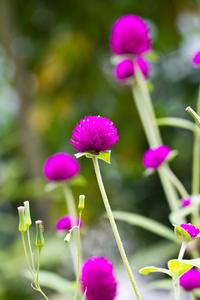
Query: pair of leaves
175, 267
104, 155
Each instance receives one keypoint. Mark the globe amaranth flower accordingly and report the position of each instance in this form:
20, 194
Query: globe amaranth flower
155, 156
186, 201
190, 280
94, 133
67, 222
191, 230
98, 278
196, 59
60, 166
130, 35
125, 68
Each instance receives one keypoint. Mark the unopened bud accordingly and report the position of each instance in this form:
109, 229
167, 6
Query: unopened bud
81, 204
22, 223
39, 234
27, 214
67, 238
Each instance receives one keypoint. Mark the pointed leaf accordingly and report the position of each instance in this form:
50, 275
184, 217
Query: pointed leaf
105, 155
194, 262
151, 269
178, 267
181, 233
146, 223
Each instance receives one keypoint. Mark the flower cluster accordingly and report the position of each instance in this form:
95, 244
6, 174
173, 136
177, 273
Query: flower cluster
67, 222
60, 167
191, 230
98, 278
155, 156
190, 280
130, 36
186, 201
94, 133
196, 59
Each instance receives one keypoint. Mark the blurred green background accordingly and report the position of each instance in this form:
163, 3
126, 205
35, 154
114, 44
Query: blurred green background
55, 69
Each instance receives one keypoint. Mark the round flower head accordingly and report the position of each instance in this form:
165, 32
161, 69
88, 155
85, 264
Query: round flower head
94, 134
125, 69
190, 280
155, 156
191, 229
60, 166
185, 201
98, 278
130, 35
196, 59
66, 223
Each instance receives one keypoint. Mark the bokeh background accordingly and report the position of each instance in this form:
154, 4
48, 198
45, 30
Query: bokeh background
55, 68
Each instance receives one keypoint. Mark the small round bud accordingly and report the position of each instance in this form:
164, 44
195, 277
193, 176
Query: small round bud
27, 214
67, 238
22, 223
81, 204
39, 234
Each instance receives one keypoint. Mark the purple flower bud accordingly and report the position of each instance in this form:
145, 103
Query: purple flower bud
130, 35
67, 222
155, 156
94, 134
190, 280
98, 278
60, 166
125, 69
196, 59
186, 201
191, 230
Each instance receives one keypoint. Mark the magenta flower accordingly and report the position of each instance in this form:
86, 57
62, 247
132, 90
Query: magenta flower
191, 230
125, 69
94, 134
60, 166
190, 280
196, 59
186, 201
98, 278
67, 222
155, 156
130, 35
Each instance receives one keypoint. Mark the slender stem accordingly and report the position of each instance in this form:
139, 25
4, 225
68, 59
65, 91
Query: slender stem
151, 130
78, 264
24, 245
30, 248
71, 207
182, 250
176, 288
196, 163
38, 267
43, 294
114, 227
176, 182
193, 297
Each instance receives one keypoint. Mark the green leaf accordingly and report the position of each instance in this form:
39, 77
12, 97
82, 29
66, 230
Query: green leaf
104, 155
53, 281
194, 262
152, 56
146, 223
151, 269
178, 267
79, 180
181, 233
176, 122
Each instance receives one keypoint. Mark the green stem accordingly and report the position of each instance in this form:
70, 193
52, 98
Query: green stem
114, 227
176, 182
43, 294
193, 297
182, 250
71, 207
146, 113
24, 245
78, 264
196, 163
176, 288
30, 248
38, 268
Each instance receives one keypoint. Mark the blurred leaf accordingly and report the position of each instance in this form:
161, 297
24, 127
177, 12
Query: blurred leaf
53, 281
151, 269
176, 122
181, 233
146, 223
79, 180
152, 55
